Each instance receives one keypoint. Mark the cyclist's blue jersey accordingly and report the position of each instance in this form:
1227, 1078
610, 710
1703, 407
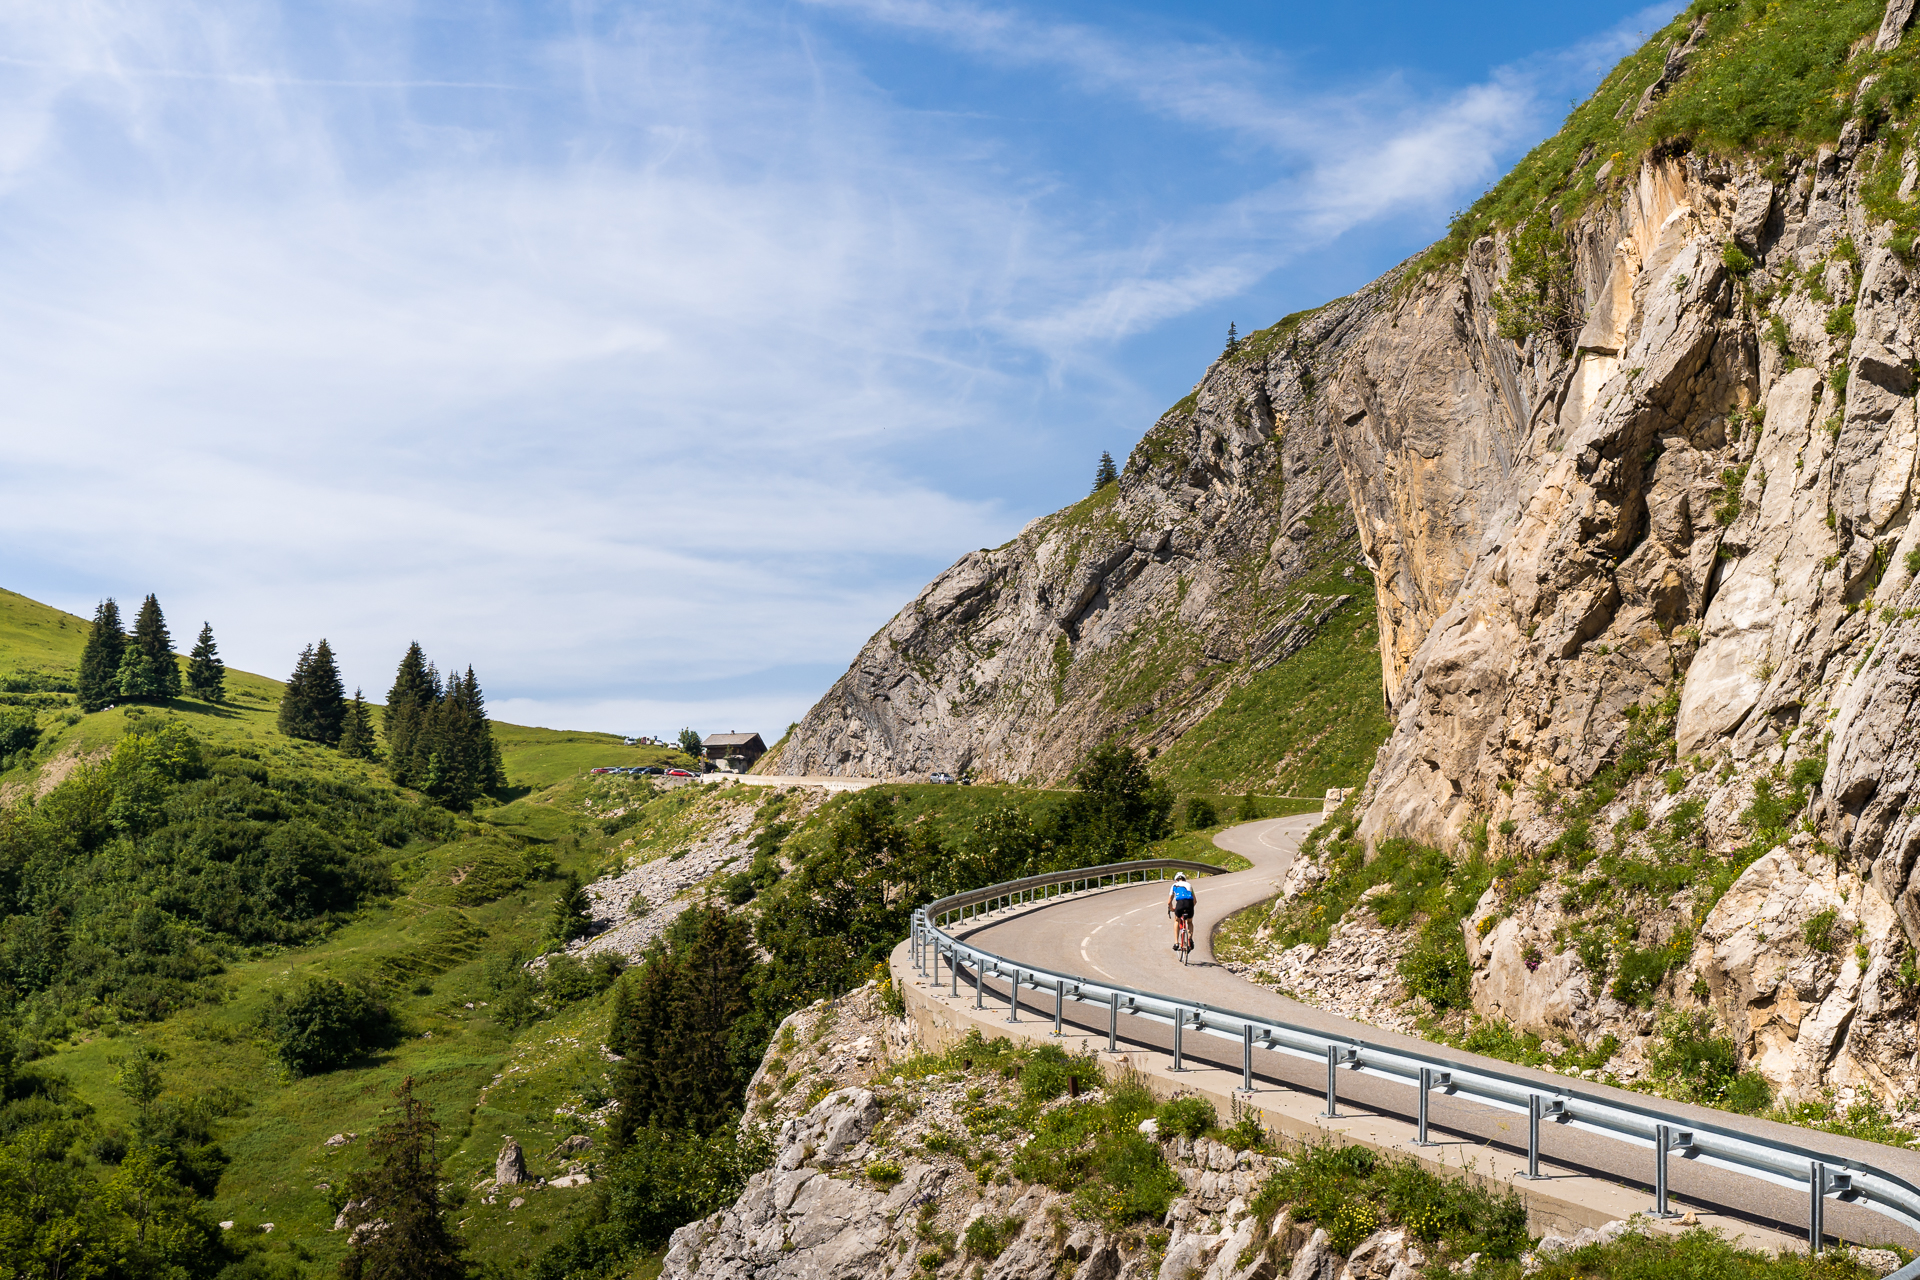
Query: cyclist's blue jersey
1182, 893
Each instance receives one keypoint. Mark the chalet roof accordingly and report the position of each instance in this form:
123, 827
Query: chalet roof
730, 739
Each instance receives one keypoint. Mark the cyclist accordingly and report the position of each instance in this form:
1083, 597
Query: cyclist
1180, 903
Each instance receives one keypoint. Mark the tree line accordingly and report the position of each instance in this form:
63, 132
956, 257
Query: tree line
139, 665
438, 738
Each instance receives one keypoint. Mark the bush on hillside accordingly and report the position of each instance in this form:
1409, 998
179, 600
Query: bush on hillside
326, 1024
1201, 813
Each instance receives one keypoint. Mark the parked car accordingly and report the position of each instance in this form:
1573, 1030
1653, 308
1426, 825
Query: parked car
941, 779
653, 769
603, 769
678, 773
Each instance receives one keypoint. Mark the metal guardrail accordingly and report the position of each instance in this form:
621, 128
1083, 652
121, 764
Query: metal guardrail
1647, 1126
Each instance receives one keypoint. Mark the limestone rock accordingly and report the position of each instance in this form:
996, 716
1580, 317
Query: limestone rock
1315, 1261
510, 1166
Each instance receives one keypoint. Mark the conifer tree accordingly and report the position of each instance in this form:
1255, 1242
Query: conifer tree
147, 666
1233, 339
455, 757
1106, 473
315, 704
294, 715
397, 1228
206, 673
99, 682
415, 691
356, 737
674, 1023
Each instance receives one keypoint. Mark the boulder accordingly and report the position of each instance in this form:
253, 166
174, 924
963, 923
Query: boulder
510, 1166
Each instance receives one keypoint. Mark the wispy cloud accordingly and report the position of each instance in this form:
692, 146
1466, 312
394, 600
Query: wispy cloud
630, 357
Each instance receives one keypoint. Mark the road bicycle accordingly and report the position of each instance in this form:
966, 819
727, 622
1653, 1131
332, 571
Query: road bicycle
1183, 936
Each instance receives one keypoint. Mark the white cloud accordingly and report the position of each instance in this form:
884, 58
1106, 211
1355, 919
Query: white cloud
613, 357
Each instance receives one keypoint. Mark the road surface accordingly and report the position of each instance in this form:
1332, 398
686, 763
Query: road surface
1124, 936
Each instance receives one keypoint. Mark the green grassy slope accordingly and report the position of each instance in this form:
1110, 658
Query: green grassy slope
1311, 722
1766, 78
38, 637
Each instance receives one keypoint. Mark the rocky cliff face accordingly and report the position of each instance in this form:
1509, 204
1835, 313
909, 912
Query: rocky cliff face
1693, 525
1215, 556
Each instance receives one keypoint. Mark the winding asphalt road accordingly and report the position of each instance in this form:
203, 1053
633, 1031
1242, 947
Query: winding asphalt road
1124, 936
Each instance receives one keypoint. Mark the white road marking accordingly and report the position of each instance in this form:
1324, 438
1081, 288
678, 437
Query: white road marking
1097, 928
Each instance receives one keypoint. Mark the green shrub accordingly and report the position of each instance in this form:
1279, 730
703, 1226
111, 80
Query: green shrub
1643, 969
1841, 321
987, 1236
884, 1172
1729, 504
567, 980
1819, 929
1201, 813
1353, 1222
1778, 336
1736, 261
1437, 968
1537, 293
1051, 1071
1095, 1150
326, 1024
1350, 1192
1696, 1062
1190, 1117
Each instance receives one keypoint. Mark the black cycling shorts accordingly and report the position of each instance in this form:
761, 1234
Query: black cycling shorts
1183, 908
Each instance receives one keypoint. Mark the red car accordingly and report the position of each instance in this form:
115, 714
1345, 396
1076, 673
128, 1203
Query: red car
678, 773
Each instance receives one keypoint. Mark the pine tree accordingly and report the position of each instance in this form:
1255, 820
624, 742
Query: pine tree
1233, 339
138, 677
572, 912
294, 714
674, 1023
356, 737
415, 691
148, 668
329, 697
99, 682
1106, 473
397, 1228
206, 674
315, 704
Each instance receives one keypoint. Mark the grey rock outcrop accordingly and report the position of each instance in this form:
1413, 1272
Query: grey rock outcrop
1134, 612
510, 1166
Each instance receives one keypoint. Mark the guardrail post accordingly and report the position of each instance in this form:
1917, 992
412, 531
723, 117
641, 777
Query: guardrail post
1660, 1144
953, 967
1059, 1003
1246, 1057
1816, 1206
979, 984
1013, 998
1113, 1022
1533, 1139
1426, 1084
1333, 1095
1179, 1023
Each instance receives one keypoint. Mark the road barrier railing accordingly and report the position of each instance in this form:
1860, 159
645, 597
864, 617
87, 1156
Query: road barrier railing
1662, 1131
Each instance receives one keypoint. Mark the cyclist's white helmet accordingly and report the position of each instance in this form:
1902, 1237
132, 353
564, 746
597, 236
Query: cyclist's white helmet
1179, 875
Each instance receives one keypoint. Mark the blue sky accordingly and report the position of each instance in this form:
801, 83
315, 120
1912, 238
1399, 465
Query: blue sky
649, 357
